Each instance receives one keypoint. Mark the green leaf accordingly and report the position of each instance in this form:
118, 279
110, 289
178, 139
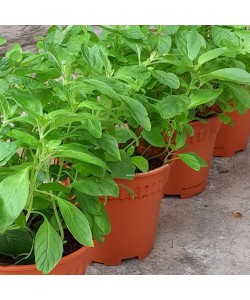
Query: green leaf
211, 54
168, 79
88, 203
141, 163
203, 96
48, 247
67, 151
7, 150
154, 137
132, 32
180, 139
138, 112
225, 119
102, 220
14, 191
103, 87
123, 169
2, 41
76, 222
109, 143
193, 44
94, 126
241, 93
27, 102
192, 160
231, 74
172, 106
97, 187
53, 186
16, 243
92, 57
21, 220
161, 43
23, 137
122, 134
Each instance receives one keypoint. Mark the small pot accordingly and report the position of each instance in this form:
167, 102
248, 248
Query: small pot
133, 221
75, 263
232, 139
184, 181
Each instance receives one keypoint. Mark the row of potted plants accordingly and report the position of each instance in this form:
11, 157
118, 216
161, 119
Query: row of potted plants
95, 128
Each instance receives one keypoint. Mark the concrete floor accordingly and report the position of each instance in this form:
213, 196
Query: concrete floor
200, 235
203, 234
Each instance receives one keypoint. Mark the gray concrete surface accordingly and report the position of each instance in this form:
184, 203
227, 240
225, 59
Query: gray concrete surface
204, 234
200, 235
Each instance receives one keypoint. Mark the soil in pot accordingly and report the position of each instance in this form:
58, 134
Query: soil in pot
184, 181
133, 221
74, 262
231, 139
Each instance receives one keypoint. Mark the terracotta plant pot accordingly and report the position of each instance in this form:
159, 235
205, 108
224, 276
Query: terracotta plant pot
75, 263
232, 139
133, 221
184, 181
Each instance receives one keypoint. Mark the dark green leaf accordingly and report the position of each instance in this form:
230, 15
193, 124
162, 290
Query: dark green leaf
204, 96
122, 169
168, 79
154, 137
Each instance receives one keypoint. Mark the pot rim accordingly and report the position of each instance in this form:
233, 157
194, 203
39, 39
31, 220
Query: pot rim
152, 172
207, 120
32, 267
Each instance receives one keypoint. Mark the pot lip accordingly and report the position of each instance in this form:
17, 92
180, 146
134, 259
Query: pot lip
32, 267
207, 120
152, 172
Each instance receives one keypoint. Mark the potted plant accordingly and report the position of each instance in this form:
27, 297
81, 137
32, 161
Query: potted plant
134, 222
52, 128
234, 133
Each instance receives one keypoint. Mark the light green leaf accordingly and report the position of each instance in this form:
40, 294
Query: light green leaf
161, 43
109, 143
138, 112
168, 79
67, 151
7, 150
76, 222
14, 191
231, 74
122, 169
97, 187
141, 163
154, 137
211, 54
241, 93
92, 57
48, 247
132, 32
191, 160
203, 96
23, 137
193, 44
172, 106
102, 221
94, 126
180, 139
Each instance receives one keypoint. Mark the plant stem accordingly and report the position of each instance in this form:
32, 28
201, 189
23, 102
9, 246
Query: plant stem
58, 220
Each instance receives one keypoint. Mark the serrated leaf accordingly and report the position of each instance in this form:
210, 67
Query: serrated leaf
76, 222
94, 126
48, 248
